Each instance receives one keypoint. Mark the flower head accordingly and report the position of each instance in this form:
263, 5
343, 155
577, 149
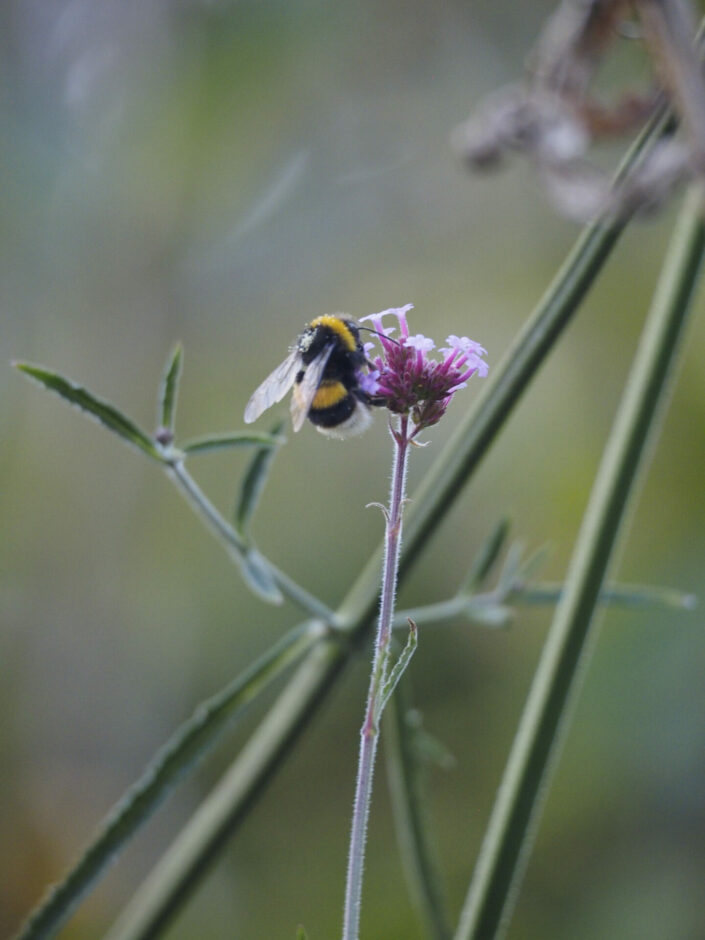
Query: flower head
408, 382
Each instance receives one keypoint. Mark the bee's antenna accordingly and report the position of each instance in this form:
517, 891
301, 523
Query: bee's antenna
377, 333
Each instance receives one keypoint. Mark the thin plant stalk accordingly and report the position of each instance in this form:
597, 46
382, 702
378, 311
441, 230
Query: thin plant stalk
514, 817
490, 610
236, 545
369, 735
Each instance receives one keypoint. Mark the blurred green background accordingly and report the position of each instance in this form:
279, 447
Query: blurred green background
219, 173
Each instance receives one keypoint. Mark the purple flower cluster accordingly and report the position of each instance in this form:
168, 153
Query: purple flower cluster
409, 382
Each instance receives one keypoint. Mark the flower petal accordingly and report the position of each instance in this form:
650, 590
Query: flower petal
420, 342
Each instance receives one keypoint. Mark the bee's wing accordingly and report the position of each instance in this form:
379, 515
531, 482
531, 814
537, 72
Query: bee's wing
274, 387
305, 391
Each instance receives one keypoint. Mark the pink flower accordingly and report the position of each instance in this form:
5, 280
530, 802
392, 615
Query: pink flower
409, 382
420, 342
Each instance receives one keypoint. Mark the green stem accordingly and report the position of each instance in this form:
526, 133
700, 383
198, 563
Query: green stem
513, 821
223, 531
476, 606
238, 547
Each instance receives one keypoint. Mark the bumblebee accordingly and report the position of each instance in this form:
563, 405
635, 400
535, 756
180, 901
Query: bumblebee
323, 367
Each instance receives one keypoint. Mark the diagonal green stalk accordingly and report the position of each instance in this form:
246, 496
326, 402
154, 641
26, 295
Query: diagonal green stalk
180, 753
514, 817
179, 871
237, 545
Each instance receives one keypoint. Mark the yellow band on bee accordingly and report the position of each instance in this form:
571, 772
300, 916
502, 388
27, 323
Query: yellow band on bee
338, 326
329, 393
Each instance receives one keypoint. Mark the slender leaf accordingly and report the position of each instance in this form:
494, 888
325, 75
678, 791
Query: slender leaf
509, 574
258, 574
102, 411
211, 442
254, 482
398, 669
169, 389
179, 755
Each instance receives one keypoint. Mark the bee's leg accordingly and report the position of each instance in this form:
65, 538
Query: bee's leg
377, 401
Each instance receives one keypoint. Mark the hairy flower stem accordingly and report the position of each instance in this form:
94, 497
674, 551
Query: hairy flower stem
369, 735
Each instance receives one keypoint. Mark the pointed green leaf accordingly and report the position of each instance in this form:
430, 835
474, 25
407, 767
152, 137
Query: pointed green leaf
399, 668
258, 575
487, 556
301, 934
168, 390
104, 412
254, 481
211, 442
510, 569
